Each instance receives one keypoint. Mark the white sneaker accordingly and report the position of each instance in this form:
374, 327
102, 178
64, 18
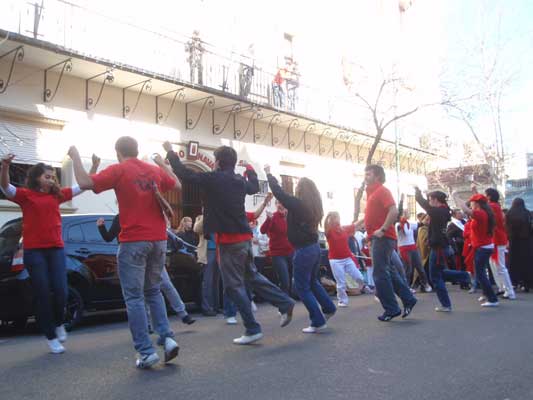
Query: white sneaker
231, 321
342, 304
328, 316
254, 307
489, 304
248, 339
428, 289
443, 309
148, 361
472, 291
413, 291
285, 319
509, 296
482, 298
312, 329
61, 333
171, 349
55, 346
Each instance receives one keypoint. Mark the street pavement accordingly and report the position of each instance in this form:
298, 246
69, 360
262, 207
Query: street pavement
470, 354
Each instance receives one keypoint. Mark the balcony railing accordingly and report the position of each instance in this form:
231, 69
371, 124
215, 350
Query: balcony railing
89, 32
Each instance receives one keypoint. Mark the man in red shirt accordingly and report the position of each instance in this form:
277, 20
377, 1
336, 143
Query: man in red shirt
143, 240
380, 215
497, 261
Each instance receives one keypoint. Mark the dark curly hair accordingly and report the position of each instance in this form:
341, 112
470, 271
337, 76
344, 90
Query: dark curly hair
33, 175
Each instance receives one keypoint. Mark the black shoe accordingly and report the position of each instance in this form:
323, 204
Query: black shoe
500, 293
387, 317
210, 313
407, 309
188, 320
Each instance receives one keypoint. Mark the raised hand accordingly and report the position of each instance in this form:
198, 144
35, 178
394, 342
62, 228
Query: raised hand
96, 160
6, 160
268, 197
73, 152
158, 159
167, 146
267, 169
100, 222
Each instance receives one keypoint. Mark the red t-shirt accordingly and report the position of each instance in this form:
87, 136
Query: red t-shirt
41, 220
141, 217
230, 238
276, 229
378, 201
338, 242
479, 235
500, 234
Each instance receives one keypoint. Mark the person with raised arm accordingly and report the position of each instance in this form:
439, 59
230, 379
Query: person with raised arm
225, 216
44, 255
143, 240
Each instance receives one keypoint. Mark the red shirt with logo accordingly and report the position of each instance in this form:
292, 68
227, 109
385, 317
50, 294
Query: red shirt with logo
276, 229
141, 217
500, 234
337, 238
378, 201
479, 235
41, 219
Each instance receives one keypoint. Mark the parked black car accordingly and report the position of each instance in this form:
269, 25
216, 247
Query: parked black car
93, 282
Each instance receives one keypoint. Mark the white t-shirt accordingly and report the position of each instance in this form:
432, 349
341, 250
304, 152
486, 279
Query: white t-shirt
406, 237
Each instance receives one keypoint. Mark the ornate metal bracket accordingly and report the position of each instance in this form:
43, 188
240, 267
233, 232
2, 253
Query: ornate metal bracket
178, 95
206, 101
18, 54
340, 136
108, 78
48, 95
256, 114
274, 119
145, 85
230, 110
293, 123
308, 129
325, 133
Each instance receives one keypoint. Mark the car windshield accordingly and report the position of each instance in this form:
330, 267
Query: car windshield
9, 237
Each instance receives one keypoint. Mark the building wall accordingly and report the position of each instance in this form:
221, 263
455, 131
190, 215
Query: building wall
96, 132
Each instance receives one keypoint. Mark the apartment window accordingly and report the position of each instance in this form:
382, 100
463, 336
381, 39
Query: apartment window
411, 205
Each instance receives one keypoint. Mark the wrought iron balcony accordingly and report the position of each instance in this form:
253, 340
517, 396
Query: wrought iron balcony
185, 60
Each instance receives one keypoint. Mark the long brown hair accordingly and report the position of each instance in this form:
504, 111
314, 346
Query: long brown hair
328, 223
307, 192
33, 175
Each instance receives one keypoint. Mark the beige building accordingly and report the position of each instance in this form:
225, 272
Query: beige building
71, 76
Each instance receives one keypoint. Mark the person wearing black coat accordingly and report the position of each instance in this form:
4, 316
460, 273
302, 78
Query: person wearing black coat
518, 224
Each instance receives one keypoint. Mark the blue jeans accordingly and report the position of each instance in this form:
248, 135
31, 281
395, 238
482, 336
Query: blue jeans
211, 283
140, 265
48, 274
439, 274
387, 278
282, 266
481, 262
239, 272
230, 309
306, 264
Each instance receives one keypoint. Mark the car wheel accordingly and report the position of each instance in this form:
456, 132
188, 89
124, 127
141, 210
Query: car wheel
20, 323
75, 308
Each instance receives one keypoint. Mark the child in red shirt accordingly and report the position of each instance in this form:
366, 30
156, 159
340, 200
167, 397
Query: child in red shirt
340, 256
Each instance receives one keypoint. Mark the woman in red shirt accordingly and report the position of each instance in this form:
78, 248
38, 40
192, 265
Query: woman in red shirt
340, 256
481, 240
281, 251
44, 256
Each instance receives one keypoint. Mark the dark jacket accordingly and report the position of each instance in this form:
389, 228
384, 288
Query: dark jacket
112, 233
440, 216
300, 231
188, 236
224, 192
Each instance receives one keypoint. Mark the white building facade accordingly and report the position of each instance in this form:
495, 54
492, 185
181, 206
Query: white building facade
61, 86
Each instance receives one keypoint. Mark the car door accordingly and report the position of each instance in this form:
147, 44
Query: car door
86, 244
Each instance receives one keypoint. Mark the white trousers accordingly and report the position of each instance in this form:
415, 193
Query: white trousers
340, 268
500, 272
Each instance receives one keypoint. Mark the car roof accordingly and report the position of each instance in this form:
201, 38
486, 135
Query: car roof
65, 217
